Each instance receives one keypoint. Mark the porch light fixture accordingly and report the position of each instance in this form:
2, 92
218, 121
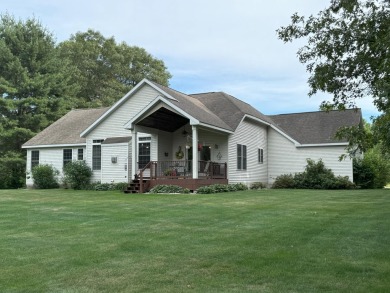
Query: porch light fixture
216, 146
166, 154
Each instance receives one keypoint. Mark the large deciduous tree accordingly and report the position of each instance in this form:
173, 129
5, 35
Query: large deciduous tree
348, 55
107, 70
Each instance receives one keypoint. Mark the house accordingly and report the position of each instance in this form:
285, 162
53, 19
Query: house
156, 135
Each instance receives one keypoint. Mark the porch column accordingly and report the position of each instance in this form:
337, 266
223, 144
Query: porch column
134, 152
195, 158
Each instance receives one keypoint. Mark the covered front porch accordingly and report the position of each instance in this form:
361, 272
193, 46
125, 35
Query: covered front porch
179, 151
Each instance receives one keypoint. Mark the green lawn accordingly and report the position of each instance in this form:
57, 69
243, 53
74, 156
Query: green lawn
254, 241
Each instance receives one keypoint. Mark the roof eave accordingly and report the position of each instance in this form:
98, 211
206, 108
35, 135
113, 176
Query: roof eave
130, 124
40, 146
123, 100
322, 144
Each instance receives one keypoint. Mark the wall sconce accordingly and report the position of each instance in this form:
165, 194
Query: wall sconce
216, 146
114, 160
166, 154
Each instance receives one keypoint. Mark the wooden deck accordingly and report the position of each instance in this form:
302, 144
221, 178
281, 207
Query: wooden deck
178, 173
191, 184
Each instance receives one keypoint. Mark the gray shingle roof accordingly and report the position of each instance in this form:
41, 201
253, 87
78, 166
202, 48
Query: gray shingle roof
67, 129
317, 127
215, 109
230, 109
195, 108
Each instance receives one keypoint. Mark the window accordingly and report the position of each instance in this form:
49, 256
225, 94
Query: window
143, 154
67, 157
34, 159
80, 154
147, 138
97, 154
261, 156
96, 157
241, 157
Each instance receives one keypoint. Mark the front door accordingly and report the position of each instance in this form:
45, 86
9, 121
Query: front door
143, 154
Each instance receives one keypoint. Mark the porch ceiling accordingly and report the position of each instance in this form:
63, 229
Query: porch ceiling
164, 119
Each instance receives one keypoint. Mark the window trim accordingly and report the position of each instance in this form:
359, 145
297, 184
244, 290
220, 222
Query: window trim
242, 157
67, 159
143, 164
260, 154
80, 155
97, 157
34, 161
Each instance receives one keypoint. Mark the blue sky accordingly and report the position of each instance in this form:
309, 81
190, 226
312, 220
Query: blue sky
207, 45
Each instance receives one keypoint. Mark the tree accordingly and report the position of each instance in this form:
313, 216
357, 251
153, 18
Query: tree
347, 54
107, 70
35, 90
35, 87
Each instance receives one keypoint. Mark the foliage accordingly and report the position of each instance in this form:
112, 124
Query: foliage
315, 176
45, 176
347, 55
258, 185
373, 170
40, 81
168, 189
97, 186
106, 70
12, 174
170, 172
35, 86
217, 188
78, 174
284, 181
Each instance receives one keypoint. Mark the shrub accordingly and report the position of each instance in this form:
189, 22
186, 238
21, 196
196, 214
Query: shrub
78, 174
120, 186
284, 181
217, 188
169, 189
12, 171
45, 176
373, 170
258, 185
315, 176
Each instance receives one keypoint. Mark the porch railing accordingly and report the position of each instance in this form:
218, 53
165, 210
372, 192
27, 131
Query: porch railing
182, 169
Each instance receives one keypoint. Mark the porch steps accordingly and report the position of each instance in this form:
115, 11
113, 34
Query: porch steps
135, 186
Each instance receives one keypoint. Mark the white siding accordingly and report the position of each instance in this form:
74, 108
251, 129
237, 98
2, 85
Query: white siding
213, 139
254, 136
113, 125
115, 172
285, 158
49, 156
164, 146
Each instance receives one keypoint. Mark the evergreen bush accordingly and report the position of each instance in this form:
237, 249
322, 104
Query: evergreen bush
78, 174
45, 176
